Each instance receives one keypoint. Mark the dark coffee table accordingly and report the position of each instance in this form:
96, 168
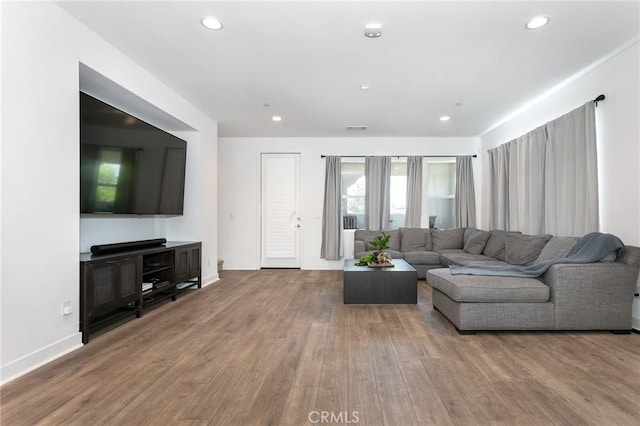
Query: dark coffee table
397, 285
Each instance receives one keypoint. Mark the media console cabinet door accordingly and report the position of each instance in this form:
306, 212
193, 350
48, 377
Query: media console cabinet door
111, 284
130, 279
101, 287
187, 263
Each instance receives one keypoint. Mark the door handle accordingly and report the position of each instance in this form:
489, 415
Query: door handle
297, 219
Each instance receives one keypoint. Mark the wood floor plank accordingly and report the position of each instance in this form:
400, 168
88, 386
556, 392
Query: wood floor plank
334, 380
427, 406
394, 399
363, 390
300, 406
278, 347
309, 369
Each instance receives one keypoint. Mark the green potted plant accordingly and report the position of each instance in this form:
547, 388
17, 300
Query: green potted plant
378, 258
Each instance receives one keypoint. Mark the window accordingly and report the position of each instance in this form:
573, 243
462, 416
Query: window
441, 189
107, 181
439, 184
353, 186
398, 193
353, 192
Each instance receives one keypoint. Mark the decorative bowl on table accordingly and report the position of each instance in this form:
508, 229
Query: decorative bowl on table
381, 260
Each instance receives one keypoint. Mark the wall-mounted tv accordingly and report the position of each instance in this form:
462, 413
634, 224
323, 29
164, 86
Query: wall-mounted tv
127, 166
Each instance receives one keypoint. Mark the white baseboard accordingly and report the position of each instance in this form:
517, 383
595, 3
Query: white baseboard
40, 357
210, 279
231, 266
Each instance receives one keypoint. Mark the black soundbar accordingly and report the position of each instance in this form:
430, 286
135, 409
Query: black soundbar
130, 245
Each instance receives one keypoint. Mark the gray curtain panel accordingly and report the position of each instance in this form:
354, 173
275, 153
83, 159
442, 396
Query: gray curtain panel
332, 212
465, 201
413, 216
546, 181
377, 172
571, 174
499, 187
526, 182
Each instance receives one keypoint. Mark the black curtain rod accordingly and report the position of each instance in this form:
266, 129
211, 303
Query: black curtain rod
398, 156
598, 98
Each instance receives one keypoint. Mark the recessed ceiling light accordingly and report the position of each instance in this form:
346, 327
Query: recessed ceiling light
445, 118
276, 118
373, 30
537, 22
365, 87
211, 22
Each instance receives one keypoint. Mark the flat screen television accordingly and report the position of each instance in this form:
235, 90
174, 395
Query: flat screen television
127, 166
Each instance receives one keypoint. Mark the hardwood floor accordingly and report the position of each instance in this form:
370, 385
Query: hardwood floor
278, 347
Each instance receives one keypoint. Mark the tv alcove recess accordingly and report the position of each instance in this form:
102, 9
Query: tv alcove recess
133, 278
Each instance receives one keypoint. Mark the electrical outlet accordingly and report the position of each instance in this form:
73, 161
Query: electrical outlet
66, 307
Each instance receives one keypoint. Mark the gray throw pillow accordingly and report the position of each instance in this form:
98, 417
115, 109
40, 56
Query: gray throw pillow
468, 233
524, 249
366, 236
495, 245
413, 239
447, 238
394, 241
475, 244
557, 248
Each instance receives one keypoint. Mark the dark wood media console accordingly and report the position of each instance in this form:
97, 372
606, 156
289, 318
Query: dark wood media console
119, 285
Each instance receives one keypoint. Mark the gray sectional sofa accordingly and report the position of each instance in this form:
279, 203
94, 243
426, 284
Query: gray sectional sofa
591, 296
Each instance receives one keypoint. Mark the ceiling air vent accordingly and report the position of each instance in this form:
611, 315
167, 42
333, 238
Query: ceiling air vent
356, 128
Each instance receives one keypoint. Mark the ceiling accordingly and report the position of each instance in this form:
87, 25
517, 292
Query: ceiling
305, 60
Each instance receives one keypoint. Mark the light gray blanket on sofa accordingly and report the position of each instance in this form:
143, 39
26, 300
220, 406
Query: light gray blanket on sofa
592, 247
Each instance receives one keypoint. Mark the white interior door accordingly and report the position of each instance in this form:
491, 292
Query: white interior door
281, 219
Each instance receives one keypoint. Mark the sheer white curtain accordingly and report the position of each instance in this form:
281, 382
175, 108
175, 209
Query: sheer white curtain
465, 197
332, 212
377, 172
413, 215
546, 181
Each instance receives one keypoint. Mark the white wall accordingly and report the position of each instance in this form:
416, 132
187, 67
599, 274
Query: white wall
42, 47
200, 218
618, 134
239, 187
